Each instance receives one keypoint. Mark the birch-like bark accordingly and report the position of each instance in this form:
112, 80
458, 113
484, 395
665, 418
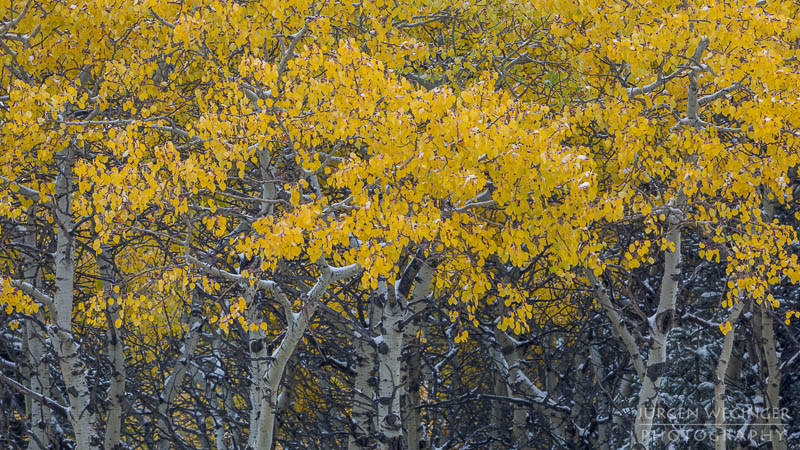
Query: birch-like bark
36, 370
390, 431
38, 373
499, 425
507, 362
519, 427
413, 362
268, 403
720, 372
257, 338
769, 349
603, 428
660, 325
173, 382
628, 343
116, 390
258, 360
262, 423
297, 323
363, 407
72, 370
661, 322
219, 423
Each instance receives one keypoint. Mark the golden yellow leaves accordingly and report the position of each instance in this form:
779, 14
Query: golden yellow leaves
218, 226
13, 299
638, 252
709, 254
405, 165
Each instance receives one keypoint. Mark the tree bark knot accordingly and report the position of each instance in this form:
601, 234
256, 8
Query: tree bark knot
664, 320
655, 371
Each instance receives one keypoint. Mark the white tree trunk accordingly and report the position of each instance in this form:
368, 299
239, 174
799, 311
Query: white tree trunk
363, 406
767, 341
265, 420
768, 346
390, 384
412, 359
72, 369
116, 390
625, 337
36, 370
173, 382
38, 373
660, 325
507, 361
616, 324
258, 361
214, 399
719, 378
268, 403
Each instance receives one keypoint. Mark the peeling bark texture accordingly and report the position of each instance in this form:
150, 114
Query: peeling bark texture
173, 382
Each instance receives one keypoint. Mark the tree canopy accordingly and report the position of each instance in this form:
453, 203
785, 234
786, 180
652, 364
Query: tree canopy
398, 224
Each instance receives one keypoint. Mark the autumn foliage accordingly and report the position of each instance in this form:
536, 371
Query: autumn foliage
403, 224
